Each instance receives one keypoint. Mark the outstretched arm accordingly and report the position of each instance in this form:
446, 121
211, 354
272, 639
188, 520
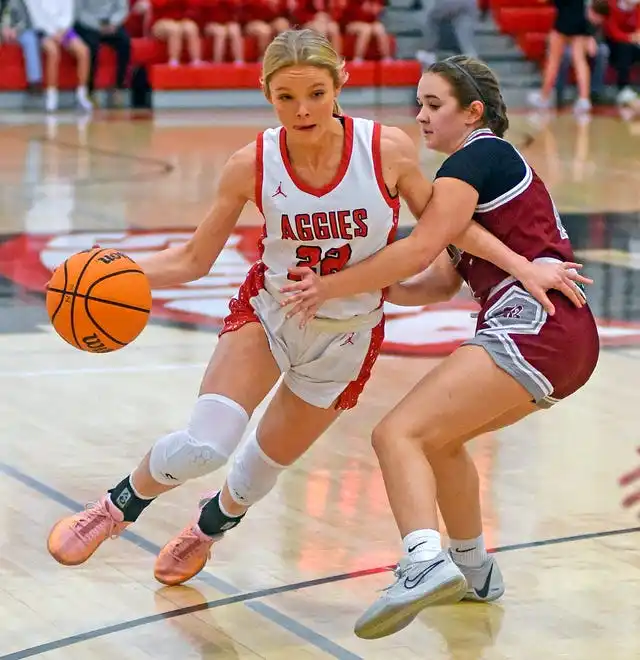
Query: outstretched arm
446, 219
400, 155
193, 260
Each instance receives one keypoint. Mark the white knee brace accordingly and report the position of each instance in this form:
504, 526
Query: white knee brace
213, 434
253, 474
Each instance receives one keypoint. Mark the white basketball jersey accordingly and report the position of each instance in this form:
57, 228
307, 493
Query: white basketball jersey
326, 228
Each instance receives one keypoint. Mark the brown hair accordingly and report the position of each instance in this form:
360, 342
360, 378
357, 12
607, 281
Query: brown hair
300, 47
472, 80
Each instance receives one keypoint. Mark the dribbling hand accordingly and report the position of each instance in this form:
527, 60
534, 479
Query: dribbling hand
539, 277
46, 286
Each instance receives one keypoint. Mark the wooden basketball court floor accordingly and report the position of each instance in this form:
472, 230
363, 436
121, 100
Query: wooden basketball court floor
290, 582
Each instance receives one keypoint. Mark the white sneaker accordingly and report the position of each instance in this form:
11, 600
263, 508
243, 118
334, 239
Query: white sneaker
418, 584
582, 107
536, 100
484, 583
83, 100
51, 99
426, 58
626, 96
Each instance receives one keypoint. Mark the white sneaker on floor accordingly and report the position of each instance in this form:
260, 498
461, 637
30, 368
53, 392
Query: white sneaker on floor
51, 99
626, 96
484, 583
426, 58
536, 100
418, 584
582, 106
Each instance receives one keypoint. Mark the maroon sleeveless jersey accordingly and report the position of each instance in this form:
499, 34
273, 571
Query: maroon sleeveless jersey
514, 205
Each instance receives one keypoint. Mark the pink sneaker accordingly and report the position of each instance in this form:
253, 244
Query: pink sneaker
75, 538
186, 554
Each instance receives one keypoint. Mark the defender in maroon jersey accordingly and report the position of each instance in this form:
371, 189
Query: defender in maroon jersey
525, 356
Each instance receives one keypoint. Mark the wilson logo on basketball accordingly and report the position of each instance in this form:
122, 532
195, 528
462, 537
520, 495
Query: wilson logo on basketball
114, 256
94, 344
420, 331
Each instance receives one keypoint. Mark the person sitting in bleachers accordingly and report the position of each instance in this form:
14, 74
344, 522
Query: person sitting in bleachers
138, 22
15, 24
222, 21
264, 19
53, 20
174, 21
323, 16
102, 21
622, 30
362, 19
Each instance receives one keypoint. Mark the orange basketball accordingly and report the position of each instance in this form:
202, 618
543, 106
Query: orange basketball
99, 300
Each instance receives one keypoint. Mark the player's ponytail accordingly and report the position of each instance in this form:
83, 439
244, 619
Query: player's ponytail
294, 47
472, 80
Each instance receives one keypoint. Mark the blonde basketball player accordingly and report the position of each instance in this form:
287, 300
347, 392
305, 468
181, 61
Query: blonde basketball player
327, 186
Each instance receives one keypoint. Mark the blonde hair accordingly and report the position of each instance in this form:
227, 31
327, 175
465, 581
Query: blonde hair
302, 47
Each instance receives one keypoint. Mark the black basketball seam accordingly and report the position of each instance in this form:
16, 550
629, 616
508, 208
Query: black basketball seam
107, 302
63, 292
102, 330
106, 277
73, 299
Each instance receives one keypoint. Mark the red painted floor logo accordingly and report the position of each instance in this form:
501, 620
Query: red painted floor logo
421, 331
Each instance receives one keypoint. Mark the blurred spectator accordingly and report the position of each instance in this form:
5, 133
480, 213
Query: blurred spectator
138, 22
622, 29
263, 19
362, 19
598, 52
174, 21
463, 16
222, 19
16, 26
485, 8
323, 16
101, 21
53, 20
571, 28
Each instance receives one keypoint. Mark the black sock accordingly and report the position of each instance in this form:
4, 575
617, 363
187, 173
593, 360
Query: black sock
212, 521
124, 498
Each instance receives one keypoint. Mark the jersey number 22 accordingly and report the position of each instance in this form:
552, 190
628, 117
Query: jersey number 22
333, 260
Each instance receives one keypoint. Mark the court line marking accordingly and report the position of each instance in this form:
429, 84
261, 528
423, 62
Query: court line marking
262, 608
287, 623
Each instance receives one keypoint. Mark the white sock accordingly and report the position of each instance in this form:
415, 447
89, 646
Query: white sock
471, 552
136, 493
224, 511
422, 544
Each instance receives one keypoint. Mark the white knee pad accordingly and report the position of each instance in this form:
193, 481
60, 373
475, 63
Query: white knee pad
213, 434
253, 474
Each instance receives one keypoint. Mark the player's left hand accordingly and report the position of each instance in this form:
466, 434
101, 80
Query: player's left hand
539, 277
306, 295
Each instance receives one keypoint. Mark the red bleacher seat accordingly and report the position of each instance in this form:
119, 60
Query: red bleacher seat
495, 4
533, 45
399, 73
520, 20
153, 53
